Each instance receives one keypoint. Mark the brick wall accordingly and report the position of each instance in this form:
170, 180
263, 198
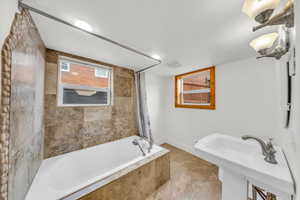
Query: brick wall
197, 98
83, 75
196, 83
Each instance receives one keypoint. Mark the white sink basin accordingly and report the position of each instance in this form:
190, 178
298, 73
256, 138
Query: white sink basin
245, 159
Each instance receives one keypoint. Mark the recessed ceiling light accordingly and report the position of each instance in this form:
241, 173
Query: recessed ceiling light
157, 57
83, 25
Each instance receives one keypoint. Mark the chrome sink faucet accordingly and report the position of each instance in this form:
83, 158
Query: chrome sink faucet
267, 148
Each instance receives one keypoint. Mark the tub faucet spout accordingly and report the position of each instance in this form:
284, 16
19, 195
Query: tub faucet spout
150, 143
136, 143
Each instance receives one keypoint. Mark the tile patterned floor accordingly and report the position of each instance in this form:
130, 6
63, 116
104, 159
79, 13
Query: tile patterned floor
191, 179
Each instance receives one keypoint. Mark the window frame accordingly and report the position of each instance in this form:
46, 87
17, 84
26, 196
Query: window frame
179, 84
66, 70
61, 86
99, 76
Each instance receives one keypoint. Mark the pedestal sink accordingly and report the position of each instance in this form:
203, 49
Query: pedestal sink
241, 162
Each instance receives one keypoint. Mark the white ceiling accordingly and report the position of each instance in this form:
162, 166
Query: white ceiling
195, 33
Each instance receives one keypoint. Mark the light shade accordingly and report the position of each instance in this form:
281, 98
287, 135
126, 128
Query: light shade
255, 7
264, 42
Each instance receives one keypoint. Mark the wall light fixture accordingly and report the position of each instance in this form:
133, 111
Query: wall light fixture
260, 10
270, 45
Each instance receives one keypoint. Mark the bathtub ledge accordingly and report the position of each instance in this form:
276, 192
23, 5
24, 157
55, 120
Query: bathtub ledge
94, 186
39, 191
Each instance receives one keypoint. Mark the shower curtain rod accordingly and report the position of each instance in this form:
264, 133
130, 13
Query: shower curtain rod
42, 13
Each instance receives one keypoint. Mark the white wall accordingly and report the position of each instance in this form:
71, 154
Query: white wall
156, 98
290, 138
247, 102
297, 18
7, 13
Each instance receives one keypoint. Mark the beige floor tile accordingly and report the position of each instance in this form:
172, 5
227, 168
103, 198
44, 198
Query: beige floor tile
191, 179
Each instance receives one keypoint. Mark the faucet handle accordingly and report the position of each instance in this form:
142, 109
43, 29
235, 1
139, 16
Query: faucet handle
270, 146
271, 141
271, 157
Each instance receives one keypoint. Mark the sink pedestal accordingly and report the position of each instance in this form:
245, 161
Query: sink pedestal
234, 186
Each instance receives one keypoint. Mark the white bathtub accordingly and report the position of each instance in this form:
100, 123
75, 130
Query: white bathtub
76, 174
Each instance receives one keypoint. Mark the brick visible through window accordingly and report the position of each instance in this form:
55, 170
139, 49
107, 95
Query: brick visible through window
83, 84
84, 75
196, 89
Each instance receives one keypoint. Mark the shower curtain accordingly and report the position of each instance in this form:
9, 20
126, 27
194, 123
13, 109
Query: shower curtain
142, 109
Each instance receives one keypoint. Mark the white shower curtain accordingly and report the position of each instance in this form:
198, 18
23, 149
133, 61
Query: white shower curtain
142, 108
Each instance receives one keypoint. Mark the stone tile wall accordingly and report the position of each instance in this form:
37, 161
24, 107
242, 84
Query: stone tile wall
72, 128
136, 185
22, 105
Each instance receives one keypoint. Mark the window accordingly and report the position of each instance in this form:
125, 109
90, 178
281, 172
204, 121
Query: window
196, 89
101, 73
65, 66
83, 84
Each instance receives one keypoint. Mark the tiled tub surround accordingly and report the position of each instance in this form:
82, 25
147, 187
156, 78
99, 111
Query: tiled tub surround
23, 59
72, 128
115, 170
